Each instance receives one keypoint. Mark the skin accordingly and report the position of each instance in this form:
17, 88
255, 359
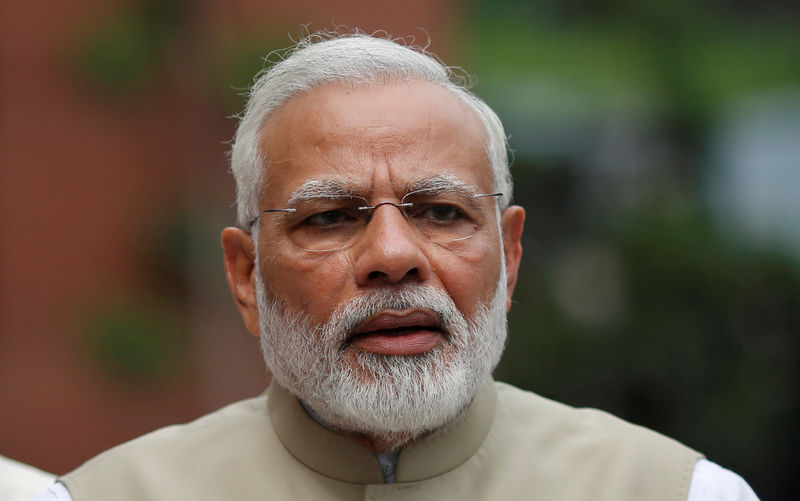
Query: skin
380, 138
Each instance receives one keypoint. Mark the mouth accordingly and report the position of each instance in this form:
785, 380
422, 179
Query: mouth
399, 333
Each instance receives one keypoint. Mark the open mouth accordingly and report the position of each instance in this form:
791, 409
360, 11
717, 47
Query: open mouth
399, 333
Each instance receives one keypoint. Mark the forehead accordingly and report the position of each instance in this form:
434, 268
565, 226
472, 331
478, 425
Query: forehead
374, 136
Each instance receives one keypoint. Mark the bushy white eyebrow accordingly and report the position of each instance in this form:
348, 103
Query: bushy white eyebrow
444, 182
331, 189
328, 189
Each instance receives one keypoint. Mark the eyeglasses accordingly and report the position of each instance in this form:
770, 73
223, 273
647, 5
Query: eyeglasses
333, 223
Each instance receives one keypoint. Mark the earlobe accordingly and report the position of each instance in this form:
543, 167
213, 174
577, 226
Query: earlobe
239, 271
512, 222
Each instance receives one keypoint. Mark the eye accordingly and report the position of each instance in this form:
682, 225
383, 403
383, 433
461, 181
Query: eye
330, 219
440, 213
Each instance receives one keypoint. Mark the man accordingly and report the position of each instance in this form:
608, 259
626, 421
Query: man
375, 257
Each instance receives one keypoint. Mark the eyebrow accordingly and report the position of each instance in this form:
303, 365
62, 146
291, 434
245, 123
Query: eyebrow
332, 189
328, 189
444, 182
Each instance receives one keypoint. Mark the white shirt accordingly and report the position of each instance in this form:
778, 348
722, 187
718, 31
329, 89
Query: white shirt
18, 481
710, 482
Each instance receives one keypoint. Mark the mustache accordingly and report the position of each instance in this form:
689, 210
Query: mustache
348, 317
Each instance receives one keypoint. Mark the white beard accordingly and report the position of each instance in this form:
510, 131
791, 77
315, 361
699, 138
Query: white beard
379, 395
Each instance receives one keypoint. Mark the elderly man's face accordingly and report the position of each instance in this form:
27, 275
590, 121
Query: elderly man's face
379, 142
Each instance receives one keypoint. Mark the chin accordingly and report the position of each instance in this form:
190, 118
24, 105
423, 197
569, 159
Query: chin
364, 392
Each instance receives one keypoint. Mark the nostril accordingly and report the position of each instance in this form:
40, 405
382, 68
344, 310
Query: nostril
375, 275
413, 273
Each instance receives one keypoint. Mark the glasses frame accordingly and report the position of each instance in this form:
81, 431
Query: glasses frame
400, 206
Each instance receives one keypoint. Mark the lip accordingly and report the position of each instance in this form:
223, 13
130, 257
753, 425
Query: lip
399, 333
389, 320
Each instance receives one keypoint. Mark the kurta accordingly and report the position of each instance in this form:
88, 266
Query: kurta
509, 444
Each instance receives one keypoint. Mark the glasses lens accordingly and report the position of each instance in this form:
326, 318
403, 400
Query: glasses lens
445, 216
328, 224
325, 224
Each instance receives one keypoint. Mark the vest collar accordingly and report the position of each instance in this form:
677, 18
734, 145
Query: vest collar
337, 456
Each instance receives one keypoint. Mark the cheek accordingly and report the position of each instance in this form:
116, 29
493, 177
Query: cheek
470, 278
313, 284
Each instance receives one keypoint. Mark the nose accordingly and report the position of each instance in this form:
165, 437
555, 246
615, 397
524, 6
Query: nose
390, 251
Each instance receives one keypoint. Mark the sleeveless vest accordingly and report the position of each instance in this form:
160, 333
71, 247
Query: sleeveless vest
510, 444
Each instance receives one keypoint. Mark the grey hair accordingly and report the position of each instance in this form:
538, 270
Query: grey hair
322, 58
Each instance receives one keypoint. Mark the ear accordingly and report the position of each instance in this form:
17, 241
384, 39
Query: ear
512, 222
240, 271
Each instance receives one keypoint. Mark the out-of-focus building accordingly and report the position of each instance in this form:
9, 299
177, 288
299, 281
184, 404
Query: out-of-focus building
114, 314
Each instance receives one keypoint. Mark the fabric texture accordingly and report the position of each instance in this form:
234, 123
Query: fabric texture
710, 482
509, 444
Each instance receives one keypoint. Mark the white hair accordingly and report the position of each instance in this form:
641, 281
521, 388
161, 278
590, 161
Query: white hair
354, 58
392, 398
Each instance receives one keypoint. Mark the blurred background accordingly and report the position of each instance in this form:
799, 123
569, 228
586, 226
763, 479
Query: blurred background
656, 149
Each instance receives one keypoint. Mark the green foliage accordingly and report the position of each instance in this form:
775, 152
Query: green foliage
691, 58
134, 342
137, 339
123, 55
166, 255
126, 54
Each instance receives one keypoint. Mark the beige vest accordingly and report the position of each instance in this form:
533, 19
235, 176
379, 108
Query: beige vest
509, 445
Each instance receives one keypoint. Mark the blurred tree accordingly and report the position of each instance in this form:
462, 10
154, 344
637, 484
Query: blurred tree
633, 301
123, 55
136, 343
